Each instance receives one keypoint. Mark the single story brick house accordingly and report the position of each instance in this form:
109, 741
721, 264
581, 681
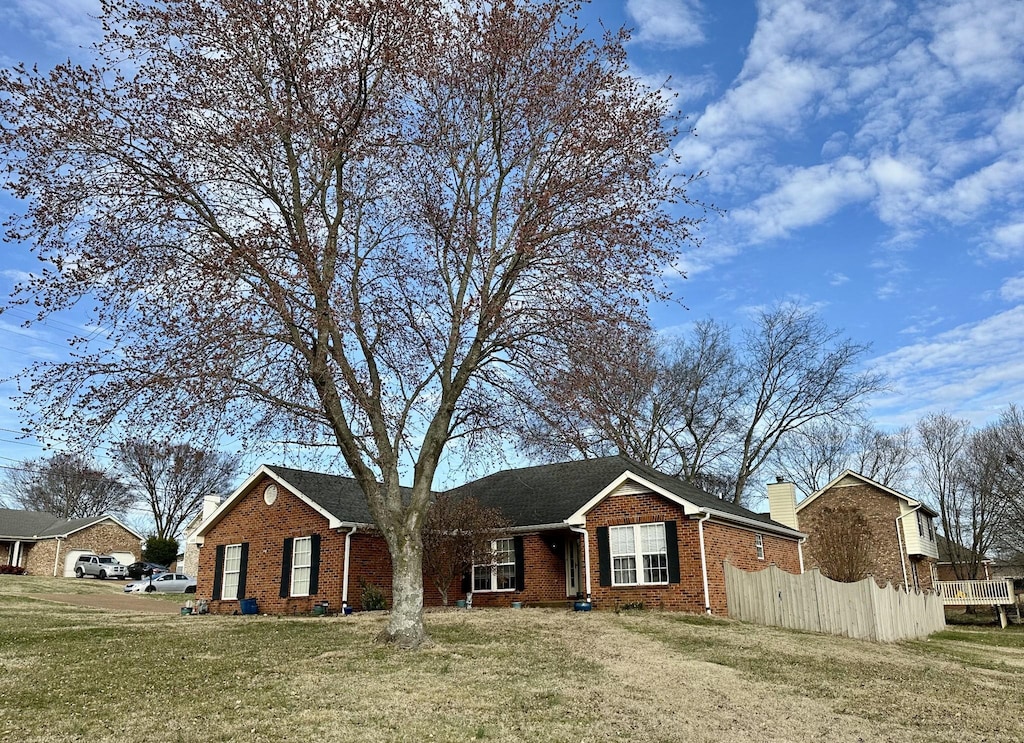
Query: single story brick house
610, 530
45, 544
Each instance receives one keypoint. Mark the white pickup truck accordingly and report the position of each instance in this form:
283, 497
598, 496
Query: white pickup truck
101, 566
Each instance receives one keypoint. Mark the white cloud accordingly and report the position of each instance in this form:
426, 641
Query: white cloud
807, 196
979, 40
835, 278
1006, 241
667, 23
978, 364
61, 23
1012, 289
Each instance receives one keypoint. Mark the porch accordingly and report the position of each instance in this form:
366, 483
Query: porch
998, 593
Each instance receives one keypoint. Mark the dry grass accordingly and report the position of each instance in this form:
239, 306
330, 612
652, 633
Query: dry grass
535, 675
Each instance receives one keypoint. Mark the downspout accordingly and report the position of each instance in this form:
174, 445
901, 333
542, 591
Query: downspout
704, 562
800, 552
903, 557
586, 554
56, 556
344, 580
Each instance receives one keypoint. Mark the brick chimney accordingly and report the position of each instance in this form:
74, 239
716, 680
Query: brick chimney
782, 502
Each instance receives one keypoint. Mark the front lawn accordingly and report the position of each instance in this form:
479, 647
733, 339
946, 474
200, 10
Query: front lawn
75, 674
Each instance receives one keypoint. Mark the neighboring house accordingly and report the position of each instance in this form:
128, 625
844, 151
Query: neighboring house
609, 530
950, 552
188, 561
901, 530
45, 544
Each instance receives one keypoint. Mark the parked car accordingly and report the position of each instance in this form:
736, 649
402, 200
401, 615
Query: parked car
140, 570
165, 583
100, 566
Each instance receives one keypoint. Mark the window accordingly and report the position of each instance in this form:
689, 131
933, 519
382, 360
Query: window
759, 546
639, 554
302, 562
920, 524
931, 530
232, 569
499, 574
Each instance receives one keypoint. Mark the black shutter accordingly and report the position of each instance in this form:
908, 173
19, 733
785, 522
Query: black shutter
218, 570
314, 565
467, 581
242, 569
604, 557
520, 563
286, 568
672, 551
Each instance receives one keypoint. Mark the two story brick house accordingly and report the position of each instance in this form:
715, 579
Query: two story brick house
609, 530
901, 531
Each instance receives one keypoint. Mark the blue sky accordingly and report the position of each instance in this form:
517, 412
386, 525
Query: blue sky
869, 158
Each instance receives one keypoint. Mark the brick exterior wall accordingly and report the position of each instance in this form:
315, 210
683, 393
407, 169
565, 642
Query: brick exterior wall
102, 538
880, 511
265, 528
721, 541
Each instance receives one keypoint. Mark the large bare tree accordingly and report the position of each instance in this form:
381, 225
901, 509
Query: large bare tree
172, 478
709, 407
66, 485
335, 221
812, 455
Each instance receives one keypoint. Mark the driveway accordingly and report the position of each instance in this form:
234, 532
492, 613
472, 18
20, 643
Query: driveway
116, 602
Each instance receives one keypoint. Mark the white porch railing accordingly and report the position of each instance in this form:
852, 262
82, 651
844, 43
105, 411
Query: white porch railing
974, 592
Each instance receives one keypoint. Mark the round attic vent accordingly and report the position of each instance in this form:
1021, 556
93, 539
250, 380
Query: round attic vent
270, 494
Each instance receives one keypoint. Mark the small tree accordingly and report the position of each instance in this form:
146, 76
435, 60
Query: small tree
161, 550
456, 529
841, 546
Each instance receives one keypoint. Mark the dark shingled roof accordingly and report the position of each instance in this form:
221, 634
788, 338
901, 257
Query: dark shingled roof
550, 493
338, 495
19, 524
529, 496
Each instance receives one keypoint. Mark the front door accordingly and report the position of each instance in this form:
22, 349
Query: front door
572, 566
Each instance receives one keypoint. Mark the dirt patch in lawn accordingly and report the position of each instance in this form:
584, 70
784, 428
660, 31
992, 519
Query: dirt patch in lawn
114, 602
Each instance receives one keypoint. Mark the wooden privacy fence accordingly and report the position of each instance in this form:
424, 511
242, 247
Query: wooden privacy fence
814, 603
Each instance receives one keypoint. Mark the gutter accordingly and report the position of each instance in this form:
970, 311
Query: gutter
56, 556
903, 552
757, 525
704, 561
344, 579
586, 553
536, 527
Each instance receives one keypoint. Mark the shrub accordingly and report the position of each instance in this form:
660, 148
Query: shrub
372, 597
161, 550
11, 570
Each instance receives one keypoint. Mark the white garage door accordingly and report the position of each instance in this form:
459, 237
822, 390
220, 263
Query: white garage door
125, 558
70, 559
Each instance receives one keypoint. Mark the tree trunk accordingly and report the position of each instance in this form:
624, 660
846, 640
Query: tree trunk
405, 628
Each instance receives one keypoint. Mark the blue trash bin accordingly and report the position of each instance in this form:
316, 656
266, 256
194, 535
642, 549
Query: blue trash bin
248, 606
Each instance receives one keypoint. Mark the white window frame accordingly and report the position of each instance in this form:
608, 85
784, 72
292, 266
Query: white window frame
630, 561
759, 545
230, 575
494, 570
302, 571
